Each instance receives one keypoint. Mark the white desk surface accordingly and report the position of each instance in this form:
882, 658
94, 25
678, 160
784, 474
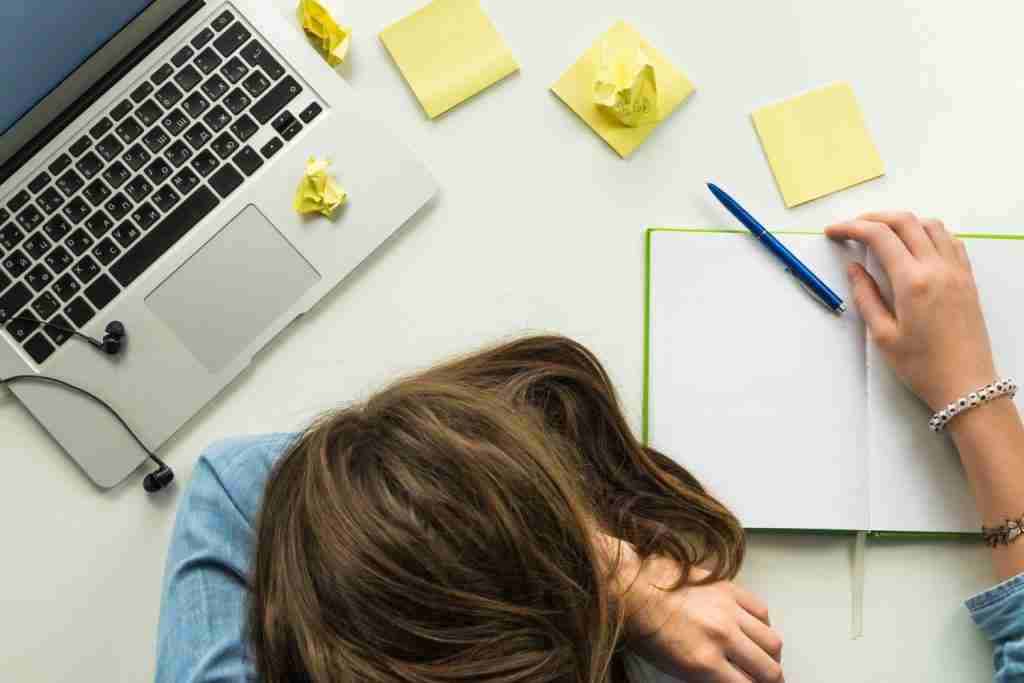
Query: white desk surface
540, 226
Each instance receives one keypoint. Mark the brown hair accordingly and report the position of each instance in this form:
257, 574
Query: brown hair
442, 530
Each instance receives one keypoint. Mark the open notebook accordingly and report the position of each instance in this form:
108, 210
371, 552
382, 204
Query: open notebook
786, 411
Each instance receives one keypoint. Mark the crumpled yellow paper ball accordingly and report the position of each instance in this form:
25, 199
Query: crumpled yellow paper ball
331, 38
626, 87
318, 192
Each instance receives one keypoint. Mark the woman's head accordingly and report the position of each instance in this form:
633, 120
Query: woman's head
445, 529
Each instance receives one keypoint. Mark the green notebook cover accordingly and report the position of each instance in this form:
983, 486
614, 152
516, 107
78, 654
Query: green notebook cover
647, 356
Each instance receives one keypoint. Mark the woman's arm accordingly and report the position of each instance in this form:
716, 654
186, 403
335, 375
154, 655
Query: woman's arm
934, 337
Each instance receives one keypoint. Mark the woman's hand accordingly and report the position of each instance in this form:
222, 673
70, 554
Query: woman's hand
718, 633
934, 336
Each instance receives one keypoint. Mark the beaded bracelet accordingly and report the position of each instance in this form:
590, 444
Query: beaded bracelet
1004, 534
1003, 387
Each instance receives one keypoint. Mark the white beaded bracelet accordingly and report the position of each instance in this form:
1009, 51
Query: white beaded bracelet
1003, 387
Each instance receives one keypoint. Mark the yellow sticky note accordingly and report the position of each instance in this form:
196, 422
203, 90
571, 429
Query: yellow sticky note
447, 52
817, 143
318, 191
577, 89
330, 37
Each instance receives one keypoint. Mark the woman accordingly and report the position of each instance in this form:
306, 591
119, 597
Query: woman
494, 519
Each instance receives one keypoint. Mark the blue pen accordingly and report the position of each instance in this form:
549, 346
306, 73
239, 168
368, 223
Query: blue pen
793, 265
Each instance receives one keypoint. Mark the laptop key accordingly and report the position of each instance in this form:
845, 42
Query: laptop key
10, 236
39, 278
109, 148
256, 84
126, 233
101, 292
182, 56
79, 148
56, 228
217, 118
67, 287
281, 123
50, 200
30, 218
257, 55
96, 192
79, 242
224, 146
205, 163
156, 139
118, 206
202, 38
18, 201
179, 153
137, 157
89, 165
59, 164
101, 128
149, 112
138, 188
232, 39
39, 348
4, 281
54, 331
248, 160
244, 127
45, 305
165, 198
13, 300
76, 210
141, 92
21, 329
195, 104
271, 148
197, 136
79, 312
86, 269
226, 180
223, 21
129, 130
235, 70
236, 101
277, 99
162, 74
39, 182
145, 216
185, 181
16, 263
158, 171
207, 61
70, 182
36, 245
168, 95
215, 87
59, 260
311, 112
121, 110
188, 78
99, 224
105, 252
164, 236
176, 121
116, 174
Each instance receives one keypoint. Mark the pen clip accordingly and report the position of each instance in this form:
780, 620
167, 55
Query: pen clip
811, 292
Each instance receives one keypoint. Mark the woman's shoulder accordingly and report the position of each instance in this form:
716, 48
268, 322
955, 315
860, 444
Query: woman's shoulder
236, 470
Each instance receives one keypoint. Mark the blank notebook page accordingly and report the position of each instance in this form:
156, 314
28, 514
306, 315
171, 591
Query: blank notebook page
756, 388
917, 481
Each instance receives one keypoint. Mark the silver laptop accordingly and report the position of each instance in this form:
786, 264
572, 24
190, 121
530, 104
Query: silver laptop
150, 153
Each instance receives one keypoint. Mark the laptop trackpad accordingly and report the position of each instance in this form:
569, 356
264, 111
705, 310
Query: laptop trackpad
236, 285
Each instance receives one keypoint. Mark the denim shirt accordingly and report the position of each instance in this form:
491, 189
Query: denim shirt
202, 633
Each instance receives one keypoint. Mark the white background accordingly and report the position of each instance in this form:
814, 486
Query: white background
540, 226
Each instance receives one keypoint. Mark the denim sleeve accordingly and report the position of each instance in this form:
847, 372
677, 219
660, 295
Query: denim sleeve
999, 613
202, 633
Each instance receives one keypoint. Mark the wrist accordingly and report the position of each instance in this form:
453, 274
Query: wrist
983, 422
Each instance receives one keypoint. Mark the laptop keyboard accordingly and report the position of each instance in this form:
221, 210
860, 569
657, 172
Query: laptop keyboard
138, 179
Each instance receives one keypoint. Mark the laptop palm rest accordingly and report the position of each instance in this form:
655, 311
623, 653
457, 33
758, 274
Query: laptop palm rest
230, 290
